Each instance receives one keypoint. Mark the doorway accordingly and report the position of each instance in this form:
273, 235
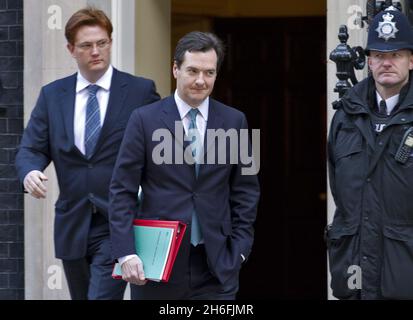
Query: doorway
275, 72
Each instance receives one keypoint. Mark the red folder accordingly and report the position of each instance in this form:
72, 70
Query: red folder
178, 233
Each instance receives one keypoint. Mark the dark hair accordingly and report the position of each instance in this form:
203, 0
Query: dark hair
88, 16
197, 41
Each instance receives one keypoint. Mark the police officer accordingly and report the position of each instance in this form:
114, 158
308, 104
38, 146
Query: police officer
370, 148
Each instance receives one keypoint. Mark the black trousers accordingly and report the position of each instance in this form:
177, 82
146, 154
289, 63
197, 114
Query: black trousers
90, 278
198, 283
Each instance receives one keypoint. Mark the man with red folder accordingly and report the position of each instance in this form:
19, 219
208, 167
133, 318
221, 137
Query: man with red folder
187, 181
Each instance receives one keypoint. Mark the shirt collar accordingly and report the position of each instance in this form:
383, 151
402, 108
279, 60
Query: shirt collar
103, 82
184, 108
390, 102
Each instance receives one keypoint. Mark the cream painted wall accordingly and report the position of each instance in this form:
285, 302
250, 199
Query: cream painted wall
137, 35
153, 38
124, 37
141, 45
45, 59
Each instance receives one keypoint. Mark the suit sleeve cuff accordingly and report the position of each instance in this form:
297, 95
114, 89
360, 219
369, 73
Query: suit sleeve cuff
122, 260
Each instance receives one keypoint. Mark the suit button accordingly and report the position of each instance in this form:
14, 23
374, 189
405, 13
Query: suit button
194, 195
90, 166
91, 195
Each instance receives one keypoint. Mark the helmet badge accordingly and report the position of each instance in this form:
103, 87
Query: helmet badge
387, 28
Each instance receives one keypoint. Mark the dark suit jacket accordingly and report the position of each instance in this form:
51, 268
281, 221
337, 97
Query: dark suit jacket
49, 136
225, 201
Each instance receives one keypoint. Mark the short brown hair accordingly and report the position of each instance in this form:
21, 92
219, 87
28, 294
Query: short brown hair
89, 16
197, 41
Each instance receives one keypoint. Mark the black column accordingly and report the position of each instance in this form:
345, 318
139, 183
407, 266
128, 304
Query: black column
11, 128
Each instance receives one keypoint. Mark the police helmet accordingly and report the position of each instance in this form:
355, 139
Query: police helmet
389, 30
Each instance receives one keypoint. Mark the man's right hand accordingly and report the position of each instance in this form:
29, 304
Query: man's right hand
132, 271
33, 183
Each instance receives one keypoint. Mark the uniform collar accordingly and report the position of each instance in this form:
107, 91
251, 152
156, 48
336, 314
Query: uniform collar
390, 102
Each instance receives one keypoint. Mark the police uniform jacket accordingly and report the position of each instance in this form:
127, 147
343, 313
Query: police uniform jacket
370, 241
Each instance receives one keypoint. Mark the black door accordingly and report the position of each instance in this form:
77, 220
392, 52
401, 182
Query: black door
275, 72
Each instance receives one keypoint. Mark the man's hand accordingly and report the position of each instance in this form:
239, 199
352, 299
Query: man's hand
33, 183
132, 271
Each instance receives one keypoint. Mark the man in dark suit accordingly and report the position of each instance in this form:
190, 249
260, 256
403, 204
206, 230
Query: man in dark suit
216, 199
78, 123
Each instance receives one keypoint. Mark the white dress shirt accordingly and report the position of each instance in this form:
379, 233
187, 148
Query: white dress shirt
201, 117
82, 94
390, 102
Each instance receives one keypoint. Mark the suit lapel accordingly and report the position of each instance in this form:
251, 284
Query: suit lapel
214, 122
67, 99
170, 117
118, 92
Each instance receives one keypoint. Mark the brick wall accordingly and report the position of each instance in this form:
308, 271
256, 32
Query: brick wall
11, 127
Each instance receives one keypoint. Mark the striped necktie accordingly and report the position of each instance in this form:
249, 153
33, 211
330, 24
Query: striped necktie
196, 233
194, 133
92, 124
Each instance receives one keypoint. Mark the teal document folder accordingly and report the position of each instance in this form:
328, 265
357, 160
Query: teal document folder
157, 243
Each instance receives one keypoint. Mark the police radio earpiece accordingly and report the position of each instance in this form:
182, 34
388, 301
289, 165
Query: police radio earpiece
406, 147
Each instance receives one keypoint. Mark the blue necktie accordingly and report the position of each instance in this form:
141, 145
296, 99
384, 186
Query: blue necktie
92, 125
196, 234
195, 144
